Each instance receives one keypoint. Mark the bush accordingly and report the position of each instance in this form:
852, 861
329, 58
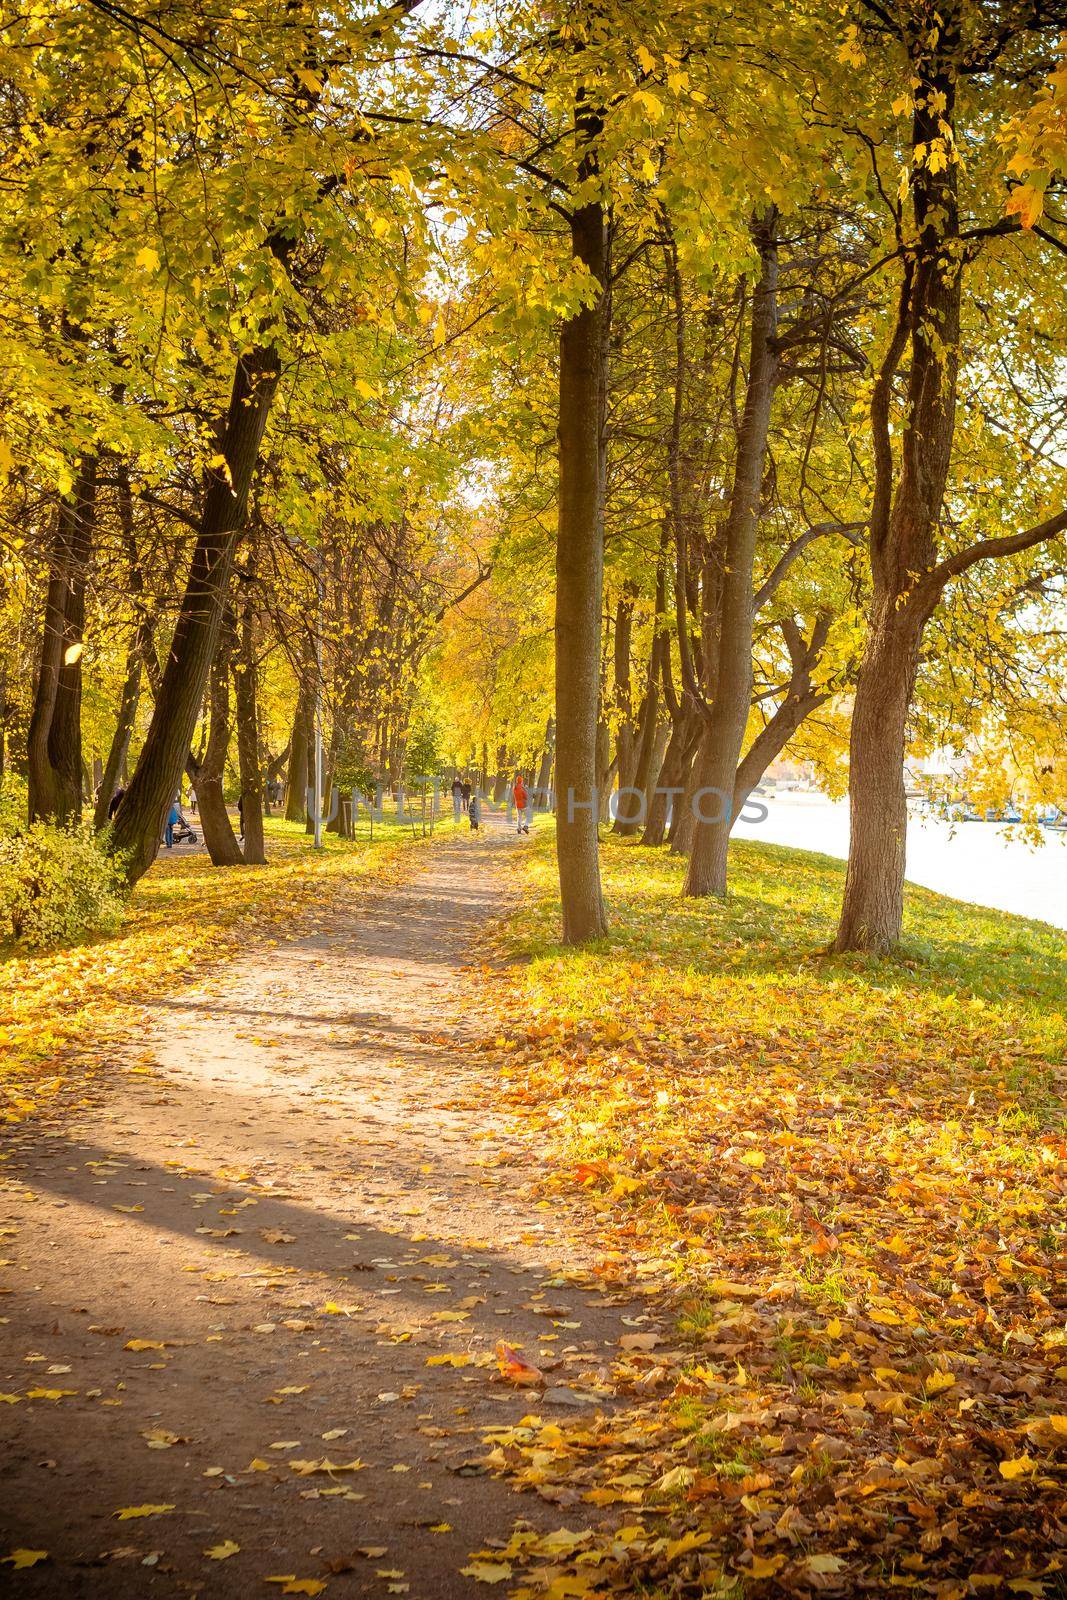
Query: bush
57, 885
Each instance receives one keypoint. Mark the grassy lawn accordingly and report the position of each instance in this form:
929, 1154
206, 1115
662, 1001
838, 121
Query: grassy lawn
60, 1010
840, 1184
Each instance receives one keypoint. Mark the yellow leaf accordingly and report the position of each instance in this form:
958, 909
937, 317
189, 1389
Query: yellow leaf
142, 1344
824, 1564
147, 258
223, 1551
161, 1438
258, 1465
753, 1158
26, 1558
766, 1566
487, 1571
451, 1359
129, 1512
49, 1394
73, 653
304, 1469
1027, 203
1017, 1467
937, 1381
682, 1546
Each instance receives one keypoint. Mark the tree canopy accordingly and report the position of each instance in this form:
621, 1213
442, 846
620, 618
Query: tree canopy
628, 394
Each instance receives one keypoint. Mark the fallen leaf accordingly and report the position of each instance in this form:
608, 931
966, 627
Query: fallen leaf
19, 1559
487, 1571
514, 1368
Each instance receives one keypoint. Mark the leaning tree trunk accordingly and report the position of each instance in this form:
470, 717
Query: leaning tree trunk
721, 747
219, 837
140, 817
801, 699
251, 771
579, 579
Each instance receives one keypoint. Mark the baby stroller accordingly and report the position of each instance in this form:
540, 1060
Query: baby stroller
182, 833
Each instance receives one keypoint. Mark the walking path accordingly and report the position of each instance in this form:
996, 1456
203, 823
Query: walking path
260, 1284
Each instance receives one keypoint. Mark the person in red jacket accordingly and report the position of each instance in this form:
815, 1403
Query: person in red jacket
522, 802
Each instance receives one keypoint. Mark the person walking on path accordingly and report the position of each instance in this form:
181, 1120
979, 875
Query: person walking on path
174, 816
465, 791
474, 810
522, 803
457, 796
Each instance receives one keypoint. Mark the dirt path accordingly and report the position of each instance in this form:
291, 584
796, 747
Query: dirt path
291, 1199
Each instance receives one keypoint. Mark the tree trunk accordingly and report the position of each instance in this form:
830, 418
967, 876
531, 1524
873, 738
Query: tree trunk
139, 819
669, 776
605, 771
54, 739
801, 699
904, 523
500, 787
544, 771
634, 808
296, 783
251, 772
580, 572
625, 734
873, 906
683, 815
721, 747
124, 720
219, 837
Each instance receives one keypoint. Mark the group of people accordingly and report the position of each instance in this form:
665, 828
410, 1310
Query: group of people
465, 798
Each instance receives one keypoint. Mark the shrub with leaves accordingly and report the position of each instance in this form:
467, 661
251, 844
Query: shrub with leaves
57, 885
